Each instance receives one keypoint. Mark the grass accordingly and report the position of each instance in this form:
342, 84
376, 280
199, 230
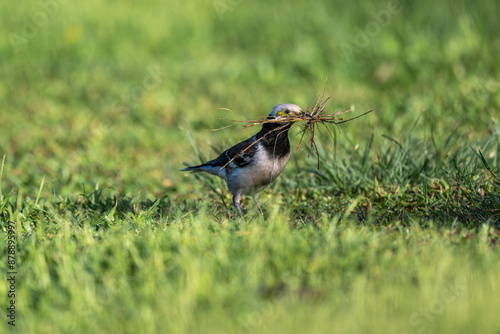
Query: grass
396, 232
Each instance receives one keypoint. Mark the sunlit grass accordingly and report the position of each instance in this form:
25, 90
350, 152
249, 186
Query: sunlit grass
396, 232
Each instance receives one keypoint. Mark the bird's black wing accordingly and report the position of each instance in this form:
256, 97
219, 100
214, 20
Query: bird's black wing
244, 153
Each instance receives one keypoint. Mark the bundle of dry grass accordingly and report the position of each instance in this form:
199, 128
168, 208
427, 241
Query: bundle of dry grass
311, 119
318, 117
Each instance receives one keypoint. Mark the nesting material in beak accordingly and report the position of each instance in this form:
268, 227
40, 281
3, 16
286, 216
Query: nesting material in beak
310, 119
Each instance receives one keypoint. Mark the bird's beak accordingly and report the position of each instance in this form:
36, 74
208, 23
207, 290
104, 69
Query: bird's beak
304, 114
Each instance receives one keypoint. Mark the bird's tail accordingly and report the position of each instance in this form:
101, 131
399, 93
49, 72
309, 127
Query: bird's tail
192, 169
195, 169
208, 167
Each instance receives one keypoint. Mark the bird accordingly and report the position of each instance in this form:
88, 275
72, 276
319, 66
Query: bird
250, 166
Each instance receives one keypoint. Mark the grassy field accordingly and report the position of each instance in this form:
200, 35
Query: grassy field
102, 102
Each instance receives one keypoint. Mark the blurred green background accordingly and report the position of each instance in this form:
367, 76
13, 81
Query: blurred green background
119, 95
104, 92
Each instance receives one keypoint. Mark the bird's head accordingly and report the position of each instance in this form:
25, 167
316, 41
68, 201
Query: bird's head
287, 112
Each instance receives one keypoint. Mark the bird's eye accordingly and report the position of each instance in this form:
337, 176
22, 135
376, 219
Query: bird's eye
287, 112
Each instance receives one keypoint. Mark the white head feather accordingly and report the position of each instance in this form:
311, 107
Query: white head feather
285, 107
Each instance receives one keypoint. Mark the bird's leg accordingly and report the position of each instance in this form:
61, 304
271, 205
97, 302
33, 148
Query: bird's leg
257, 203
236, 203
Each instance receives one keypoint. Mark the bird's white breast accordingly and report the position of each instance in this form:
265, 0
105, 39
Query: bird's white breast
263, 170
